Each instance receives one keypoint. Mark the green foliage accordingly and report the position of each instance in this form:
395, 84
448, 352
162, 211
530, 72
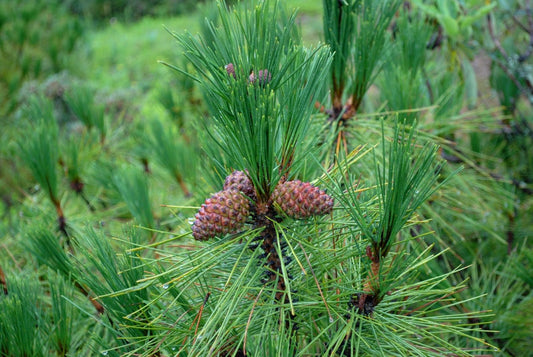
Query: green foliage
101, 10
339, 27
426, 314
506, 298
524, 265
373, 18
458, 22
64, 324
405, 180
236, 318
509, 49
20, 318
47, 250
173, 106
81, 101
26, 51
133, 188
172, 151
73, 166
39, 151
411, 34
452, 16
116, 285
508, 91
402, 84
356, 31
448, 91
40, 320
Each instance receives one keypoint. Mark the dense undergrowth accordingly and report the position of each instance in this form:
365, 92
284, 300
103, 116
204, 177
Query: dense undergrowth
371, 162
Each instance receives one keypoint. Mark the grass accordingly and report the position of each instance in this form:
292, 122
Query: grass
122, 55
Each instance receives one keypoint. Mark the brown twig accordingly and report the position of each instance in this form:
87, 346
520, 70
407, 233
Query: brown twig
3, 281
197, 319
62, 222
428, 85
510, 233
496, 40
274, 261
519, 24
183, 186
250, 319
99, 307
200, 315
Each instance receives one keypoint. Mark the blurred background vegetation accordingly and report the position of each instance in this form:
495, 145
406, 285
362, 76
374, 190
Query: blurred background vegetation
97, 132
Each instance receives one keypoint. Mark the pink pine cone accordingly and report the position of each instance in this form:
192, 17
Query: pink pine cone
300, 200
239, 180
224, 212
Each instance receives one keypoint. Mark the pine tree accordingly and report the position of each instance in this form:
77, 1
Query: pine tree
302, 214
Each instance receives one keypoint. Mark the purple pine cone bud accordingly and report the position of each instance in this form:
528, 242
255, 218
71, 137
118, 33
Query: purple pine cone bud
262, 77
230, 69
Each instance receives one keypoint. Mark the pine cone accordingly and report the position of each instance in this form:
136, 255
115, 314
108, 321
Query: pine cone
239, 180
230, 69
299, 199
261, 78
224, 212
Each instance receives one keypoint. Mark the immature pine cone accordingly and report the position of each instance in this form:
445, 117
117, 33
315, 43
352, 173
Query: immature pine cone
262, 78
230, 69
299, 199
224, 212
238, 180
